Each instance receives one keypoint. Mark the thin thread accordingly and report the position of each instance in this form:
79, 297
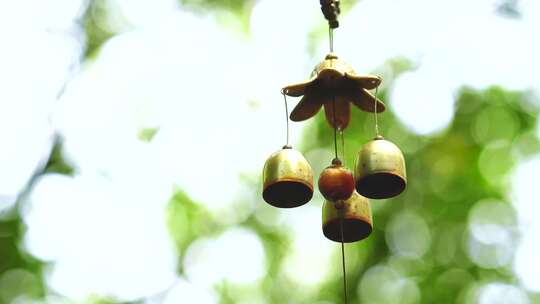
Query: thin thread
342, 145
334, 123
376, 119
331, 38
343, 261
286, 115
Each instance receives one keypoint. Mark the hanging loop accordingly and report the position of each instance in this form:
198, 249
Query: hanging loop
331, 11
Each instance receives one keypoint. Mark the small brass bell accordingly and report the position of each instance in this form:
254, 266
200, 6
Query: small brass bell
287, 179
355, 216
380, 170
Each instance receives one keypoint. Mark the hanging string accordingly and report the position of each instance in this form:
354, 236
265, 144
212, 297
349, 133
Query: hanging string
334, 123
286, 115
331, 38
341, 220
331, 41
343, 261
342, 145
376, 119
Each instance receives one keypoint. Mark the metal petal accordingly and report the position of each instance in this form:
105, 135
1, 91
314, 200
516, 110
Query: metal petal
365, 101
298, 89
308, 106
368, 82
343, 112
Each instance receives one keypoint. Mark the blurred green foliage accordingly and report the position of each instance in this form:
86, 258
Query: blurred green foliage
95, 22
20, 274
238, 8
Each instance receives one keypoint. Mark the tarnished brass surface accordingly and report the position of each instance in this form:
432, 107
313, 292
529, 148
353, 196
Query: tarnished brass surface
331, 71
287, 179
355, 213
334, 79
380, 170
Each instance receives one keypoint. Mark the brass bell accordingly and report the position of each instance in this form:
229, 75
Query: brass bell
355, 216
380, 170
287, 179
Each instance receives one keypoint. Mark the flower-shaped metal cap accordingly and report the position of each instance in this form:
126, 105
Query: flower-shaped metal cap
335, 85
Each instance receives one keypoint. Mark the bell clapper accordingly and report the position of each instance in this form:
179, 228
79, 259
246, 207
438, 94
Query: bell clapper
336, 182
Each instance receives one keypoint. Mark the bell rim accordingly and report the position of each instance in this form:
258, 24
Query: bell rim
382, 172
298, 181
366, 222
399, 184
287, 179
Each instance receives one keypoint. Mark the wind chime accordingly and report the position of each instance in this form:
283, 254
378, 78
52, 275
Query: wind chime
379, 172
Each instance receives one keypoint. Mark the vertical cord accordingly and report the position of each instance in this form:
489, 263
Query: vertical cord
334, 123
343, 261
376, 119
342, 145
286, 115
331, 39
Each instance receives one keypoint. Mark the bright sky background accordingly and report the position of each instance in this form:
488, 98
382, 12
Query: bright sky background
166, 72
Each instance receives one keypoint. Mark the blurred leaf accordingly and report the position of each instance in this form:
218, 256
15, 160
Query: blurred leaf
57, 163
96, 26
147, 134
